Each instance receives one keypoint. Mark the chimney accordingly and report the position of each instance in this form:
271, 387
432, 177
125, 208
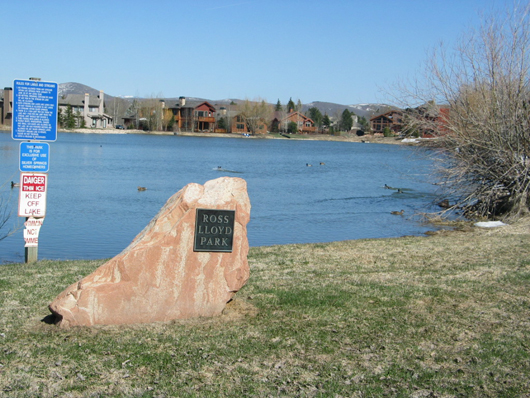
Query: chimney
8, 106
101, 102
86, 104
182, 101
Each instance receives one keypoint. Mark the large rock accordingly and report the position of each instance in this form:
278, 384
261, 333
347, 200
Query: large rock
159, 276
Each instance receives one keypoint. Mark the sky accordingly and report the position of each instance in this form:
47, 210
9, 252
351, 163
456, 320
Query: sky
341, 51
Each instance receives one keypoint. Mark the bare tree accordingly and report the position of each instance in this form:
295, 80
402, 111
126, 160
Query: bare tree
6, 212
476, 99
151, 110
280, 112
117, 107
256, 113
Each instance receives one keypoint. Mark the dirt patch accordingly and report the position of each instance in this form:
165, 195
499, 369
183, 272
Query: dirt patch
237, 309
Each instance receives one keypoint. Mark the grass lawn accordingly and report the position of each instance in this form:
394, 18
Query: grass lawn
440, 316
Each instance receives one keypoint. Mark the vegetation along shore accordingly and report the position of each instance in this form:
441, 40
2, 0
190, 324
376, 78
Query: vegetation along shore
367, 139
446, 315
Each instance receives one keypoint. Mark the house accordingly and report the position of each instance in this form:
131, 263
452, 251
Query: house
233, 121
193, 115
223, 118
303, 123
392, 119
242, 125
87, 108
6, 107
130, 121
431, 119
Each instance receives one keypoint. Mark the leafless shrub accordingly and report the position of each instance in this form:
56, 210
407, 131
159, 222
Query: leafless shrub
256, 113
476, 102
6, 213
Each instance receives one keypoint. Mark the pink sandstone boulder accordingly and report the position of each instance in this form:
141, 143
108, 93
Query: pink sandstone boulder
159, 276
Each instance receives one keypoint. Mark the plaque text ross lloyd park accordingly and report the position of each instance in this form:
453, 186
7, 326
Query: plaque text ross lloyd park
214, 230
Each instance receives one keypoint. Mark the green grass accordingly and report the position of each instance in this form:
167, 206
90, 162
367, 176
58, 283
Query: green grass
441, 316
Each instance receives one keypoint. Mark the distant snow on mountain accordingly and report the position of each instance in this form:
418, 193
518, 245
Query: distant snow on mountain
333, 110
78, 88
75, 88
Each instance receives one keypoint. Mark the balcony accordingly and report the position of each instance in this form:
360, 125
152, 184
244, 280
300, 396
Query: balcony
206, 119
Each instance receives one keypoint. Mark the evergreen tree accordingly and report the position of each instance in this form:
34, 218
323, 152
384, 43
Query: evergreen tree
80, 120
171, 123
60, 117
298, 106
290, 105
278, 107
326, 121
275, 126
292, 128
346, 121
365, 126
69, 118
316, 116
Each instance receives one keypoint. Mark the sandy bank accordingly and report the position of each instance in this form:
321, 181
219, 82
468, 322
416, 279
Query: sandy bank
367, 139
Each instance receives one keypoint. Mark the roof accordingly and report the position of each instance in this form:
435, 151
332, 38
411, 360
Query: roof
189, 104
78, 100
304, 117
386, 114
100, 116
228, 113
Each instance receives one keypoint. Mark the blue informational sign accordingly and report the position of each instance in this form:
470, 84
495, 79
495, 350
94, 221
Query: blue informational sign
34, 156
34, 110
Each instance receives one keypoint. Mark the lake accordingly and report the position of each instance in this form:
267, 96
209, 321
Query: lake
94, 208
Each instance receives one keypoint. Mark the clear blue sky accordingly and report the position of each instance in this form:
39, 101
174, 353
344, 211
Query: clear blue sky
339, 51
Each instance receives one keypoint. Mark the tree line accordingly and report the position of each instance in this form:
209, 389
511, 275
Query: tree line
152, 116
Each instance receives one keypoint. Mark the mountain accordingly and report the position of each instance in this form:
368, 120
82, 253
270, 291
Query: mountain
333, 109
330, 108
78, 88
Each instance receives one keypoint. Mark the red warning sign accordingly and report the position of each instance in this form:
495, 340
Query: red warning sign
32, 196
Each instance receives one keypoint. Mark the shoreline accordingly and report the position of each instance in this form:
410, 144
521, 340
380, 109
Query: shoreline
367, 139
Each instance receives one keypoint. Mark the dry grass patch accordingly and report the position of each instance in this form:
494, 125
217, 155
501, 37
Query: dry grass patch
440, 316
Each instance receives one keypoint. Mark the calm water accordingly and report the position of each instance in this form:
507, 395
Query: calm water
95, 209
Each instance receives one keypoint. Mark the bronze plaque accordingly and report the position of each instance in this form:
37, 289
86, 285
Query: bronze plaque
214, 230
